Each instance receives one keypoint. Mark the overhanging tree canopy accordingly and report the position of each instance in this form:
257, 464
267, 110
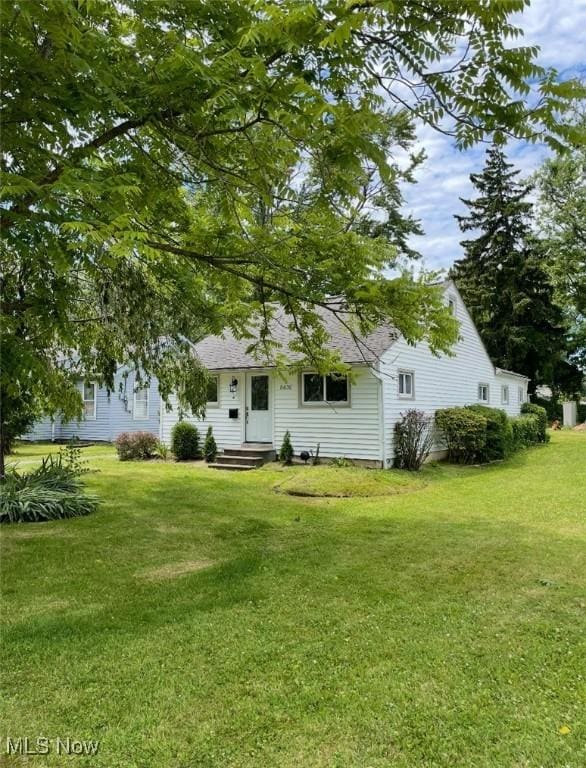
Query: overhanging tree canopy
172, 168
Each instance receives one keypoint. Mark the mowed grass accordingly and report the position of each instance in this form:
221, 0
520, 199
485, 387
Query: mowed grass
202, 619
341, 482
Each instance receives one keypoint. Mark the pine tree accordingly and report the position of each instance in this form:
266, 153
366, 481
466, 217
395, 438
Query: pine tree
502, 277
210, 449
286, 452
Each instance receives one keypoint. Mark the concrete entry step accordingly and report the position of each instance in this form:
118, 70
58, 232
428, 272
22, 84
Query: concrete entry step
245, 456
232, 467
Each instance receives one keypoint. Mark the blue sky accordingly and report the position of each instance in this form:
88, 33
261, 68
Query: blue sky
559, 28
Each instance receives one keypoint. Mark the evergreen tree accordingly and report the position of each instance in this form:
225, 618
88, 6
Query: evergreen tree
210, 449
502, 277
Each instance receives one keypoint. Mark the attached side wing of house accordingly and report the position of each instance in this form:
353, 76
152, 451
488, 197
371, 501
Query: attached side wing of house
415, 378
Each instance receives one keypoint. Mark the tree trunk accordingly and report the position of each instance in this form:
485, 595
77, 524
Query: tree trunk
2, 462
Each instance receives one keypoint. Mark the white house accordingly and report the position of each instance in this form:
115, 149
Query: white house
251, 404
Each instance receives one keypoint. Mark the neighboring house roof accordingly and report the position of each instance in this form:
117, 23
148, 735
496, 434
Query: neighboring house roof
227, 352
510, 373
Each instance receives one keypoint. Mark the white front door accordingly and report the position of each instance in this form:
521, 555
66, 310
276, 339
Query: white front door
259, 417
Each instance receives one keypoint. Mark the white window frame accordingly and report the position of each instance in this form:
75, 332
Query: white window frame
505, 395
215, 403
480, 399
521, 394
322, 403
146, 389
405, 395
94, 416
453, 304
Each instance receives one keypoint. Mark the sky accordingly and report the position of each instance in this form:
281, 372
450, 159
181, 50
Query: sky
558, 27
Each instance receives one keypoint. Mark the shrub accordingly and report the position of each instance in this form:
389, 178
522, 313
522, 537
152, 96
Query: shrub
499, 433
526, 430
537, 410
162, 451
414, 436
341, 462
286, 452
185, 441
51, 492
210, 449
553, 407
136, 445
464, 432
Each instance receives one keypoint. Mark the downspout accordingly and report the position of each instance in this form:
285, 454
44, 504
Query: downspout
160, 414
383, 421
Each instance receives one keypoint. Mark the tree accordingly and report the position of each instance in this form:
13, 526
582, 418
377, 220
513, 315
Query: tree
561, 221
210, 449
173, 169
502, 277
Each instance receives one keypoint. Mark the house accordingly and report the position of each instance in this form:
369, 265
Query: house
250, 404
129, 407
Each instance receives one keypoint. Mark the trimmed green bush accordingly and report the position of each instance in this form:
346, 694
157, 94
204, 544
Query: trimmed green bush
464, 433
210, 449
526, 430
499, 433
286, 452
136, 445
185, 441
537, 410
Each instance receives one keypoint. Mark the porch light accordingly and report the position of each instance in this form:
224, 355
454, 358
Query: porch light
233, 385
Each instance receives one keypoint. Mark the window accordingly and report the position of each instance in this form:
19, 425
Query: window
141, 403
317, 389
89, 399
505, 394
452, 304
212, 394
521, 395
407, 384
483, 393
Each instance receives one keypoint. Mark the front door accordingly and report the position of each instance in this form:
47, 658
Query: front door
259, 419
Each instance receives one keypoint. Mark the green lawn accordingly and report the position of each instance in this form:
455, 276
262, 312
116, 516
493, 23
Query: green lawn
202, 618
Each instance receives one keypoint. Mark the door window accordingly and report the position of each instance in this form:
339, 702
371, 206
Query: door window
259, 393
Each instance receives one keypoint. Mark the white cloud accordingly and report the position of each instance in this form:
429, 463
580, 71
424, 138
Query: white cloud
557, 26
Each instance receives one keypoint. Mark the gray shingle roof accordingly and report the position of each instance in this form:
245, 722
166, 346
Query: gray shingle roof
227, 352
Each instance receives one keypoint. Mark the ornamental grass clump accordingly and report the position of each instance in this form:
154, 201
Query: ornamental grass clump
53, 491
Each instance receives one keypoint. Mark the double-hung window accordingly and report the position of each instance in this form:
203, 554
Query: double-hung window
505, 394
407, 385
521, 395
324, 390
141, 403
89, 394
483, 393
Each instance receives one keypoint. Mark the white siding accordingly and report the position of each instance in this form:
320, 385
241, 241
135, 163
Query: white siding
354, 432
43, 430
442, 382
228, 432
